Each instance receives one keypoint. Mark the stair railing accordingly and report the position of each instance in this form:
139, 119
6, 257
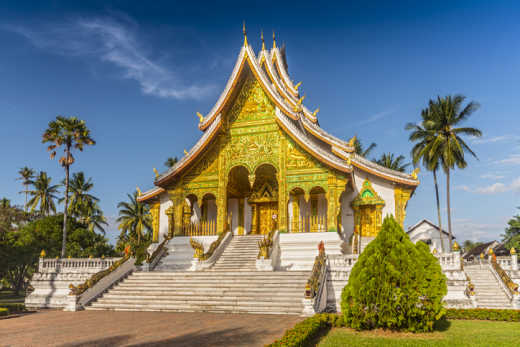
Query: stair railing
315, 295
203, 260
98, 283
157, 254
511, 287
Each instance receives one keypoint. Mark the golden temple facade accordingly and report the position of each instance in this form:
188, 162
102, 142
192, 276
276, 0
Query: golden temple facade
264, 163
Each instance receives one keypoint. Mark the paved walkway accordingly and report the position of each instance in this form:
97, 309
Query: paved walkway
109, 328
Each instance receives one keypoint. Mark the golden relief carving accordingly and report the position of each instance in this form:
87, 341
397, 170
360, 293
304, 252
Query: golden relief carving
297, 159
401, 197
368, 211
155, 212
251, 104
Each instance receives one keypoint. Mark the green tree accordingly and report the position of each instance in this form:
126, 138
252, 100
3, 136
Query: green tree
43, 194
170, 162
361, 150
135, 222
389, 160
71, 133
448, 147
512, 233
25, 244
394, 284
26, 176
423, 135
469, 245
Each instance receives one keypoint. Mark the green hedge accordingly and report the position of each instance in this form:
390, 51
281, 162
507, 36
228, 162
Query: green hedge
3, 311
304, 333
12, 308
484, 314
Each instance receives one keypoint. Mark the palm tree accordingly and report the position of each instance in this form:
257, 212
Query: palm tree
80, 198
71, 133
43, 194
424, 134
134, 218
5, 203
26, 176
389, 160
93, 217
448, 147
360, 150
170, 162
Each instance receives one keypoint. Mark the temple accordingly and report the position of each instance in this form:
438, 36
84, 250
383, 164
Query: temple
263, 163
267, 213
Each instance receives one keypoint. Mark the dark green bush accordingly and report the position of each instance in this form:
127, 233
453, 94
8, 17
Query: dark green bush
484, 314
305, 332
394, 284
13, 307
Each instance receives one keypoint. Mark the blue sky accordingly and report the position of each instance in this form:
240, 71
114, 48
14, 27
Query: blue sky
137, 72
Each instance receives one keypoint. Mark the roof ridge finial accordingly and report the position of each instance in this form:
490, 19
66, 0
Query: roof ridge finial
274, 40
245, 34
262, 37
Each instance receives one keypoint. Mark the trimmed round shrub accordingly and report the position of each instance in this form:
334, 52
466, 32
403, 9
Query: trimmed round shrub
394, 284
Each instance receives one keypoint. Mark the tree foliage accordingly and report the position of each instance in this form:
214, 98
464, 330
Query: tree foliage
135, 223
394, 284
391, 161
512, 233
361, 150
43, 195
20, 248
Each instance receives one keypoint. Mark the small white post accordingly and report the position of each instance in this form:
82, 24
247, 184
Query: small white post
514, 262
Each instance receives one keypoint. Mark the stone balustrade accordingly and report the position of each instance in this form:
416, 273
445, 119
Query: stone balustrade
450, 261
508, 263
75, 265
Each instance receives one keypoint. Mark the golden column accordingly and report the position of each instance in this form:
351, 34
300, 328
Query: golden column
401, 197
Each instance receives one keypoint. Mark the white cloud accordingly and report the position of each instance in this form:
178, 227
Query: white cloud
468, 229
113, 42
492, 176
377, 116
483, 140
511, 159
495, 188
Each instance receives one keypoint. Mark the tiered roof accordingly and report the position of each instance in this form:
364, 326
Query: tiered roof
291, 114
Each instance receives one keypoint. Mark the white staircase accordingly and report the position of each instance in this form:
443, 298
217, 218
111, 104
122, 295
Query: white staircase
232, 285
488, 291
239, 255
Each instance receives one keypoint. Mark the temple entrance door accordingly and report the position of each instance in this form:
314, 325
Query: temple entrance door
264, 200
267, 214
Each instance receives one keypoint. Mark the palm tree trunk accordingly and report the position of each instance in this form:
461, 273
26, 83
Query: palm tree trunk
438, 208
448, 203
65, 209
26, 192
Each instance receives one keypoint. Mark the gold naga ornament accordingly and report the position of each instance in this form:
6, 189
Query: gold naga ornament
415, 173
139, 193
201, 117
156, 173
297, 85
316, 112
352, 141
185, 152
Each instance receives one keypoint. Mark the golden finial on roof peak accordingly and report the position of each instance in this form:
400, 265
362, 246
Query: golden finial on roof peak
274, 40
245, 34
316, 112
415, 173
352, 141
156, 173
262, 37
139, 193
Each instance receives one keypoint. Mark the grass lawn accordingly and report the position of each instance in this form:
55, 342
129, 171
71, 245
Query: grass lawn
452, 333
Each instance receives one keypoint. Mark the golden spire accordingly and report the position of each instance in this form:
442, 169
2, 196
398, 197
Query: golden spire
352, 141
156, 173
274, 40
297, 85
262, 37
138, 191
316, 112
201, 117
244, 31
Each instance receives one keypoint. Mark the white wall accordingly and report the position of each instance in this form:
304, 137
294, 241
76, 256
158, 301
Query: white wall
426, 232
163, 218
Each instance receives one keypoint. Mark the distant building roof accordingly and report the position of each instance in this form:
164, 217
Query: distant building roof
477, 250
426, 221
